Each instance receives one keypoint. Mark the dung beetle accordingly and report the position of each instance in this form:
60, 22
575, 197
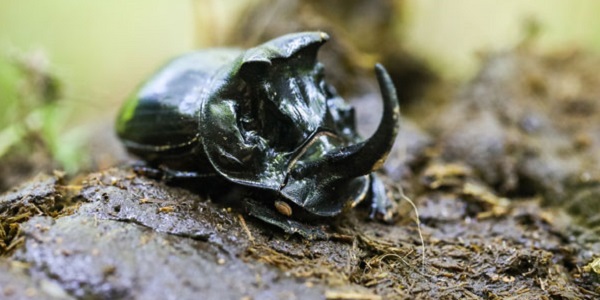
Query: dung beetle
265, 122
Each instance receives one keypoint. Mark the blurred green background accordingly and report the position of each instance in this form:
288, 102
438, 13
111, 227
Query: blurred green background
100, 51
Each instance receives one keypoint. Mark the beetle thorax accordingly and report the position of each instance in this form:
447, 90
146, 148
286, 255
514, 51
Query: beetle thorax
285, 106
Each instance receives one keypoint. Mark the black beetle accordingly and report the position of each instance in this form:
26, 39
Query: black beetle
263, 120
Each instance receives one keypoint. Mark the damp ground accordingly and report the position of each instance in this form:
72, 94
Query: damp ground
503, 172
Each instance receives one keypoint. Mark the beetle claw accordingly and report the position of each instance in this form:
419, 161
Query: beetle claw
382, 208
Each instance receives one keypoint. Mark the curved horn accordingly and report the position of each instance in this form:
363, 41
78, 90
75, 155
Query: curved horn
362, 158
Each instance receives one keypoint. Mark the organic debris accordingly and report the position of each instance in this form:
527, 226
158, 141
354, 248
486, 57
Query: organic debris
492, 192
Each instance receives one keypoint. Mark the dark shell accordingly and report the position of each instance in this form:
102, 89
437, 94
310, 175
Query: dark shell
263, 119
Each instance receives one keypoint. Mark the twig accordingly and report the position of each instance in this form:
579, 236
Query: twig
418, 221
243, 222
334, 295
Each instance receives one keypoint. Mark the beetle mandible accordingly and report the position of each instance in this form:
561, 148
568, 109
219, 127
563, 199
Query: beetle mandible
263, 120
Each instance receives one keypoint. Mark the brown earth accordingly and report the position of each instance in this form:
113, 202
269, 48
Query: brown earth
504, 176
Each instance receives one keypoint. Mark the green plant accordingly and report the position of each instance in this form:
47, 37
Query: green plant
32, 112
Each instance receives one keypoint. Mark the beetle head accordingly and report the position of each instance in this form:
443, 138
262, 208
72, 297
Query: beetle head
323, 184
292, 134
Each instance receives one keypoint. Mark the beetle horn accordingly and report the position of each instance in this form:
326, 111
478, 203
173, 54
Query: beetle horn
369, 155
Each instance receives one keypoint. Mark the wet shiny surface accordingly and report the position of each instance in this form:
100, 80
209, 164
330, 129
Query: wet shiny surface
265, 119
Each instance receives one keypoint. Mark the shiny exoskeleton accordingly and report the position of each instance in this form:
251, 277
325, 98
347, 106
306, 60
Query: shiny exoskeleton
264, 121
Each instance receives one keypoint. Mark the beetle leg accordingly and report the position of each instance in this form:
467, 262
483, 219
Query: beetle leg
145, 170
167, 174
382, 208
259, 211
170, 174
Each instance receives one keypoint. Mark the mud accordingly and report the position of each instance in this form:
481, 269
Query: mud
502, 174
529, 126
133, 237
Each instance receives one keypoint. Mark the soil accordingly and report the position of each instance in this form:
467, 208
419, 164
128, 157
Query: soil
503, 174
